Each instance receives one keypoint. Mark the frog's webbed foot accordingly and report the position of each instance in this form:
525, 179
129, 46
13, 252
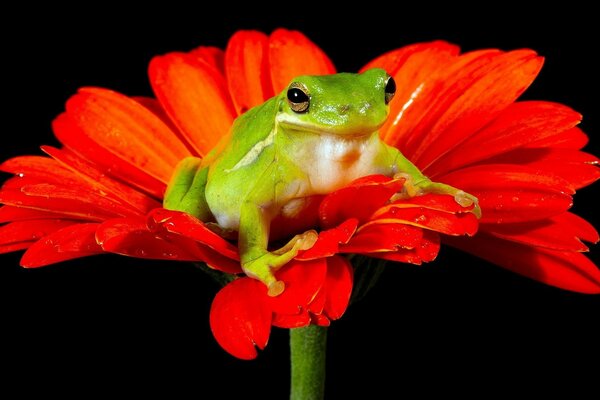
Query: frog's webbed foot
264, 267
411, 189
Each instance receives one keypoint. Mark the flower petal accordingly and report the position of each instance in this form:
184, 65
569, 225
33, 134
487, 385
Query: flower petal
43, 169
131, 237
384, 236
573, 138
75, 139
292, 54
97, 180
30, 230
411, 67
289, 321
11, 213
184, 224
214, 56
69, 201
247, 69
303, 279
562, 232
442, 222
426, 251
511, 193
358, 200
576, 167
194, 94
74, 241
476, 96
338, 286
516, 126
127, 129
566, 270
240, 317
329, 241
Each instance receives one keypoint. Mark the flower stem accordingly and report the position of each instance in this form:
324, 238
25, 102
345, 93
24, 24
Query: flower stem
308, 346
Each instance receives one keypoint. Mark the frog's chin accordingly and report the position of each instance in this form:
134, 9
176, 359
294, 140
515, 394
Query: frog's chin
291, 125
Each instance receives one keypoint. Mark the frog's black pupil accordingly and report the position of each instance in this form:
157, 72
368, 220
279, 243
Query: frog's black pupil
390, 87
296, 95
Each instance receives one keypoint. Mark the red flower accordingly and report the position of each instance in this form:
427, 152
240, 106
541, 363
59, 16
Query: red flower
454, 115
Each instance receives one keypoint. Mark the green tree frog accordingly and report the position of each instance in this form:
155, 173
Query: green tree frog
316, 136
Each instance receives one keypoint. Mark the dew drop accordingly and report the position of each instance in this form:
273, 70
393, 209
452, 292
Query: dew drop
171, 255
140, 252
515, 198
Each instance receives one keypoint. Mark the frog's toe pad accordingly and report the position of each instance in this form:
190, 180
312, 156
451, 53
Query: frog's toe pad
463, 198
276, 288
307, 240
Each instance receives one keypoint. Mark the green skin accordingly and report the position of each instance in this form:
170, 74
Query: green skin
277, 158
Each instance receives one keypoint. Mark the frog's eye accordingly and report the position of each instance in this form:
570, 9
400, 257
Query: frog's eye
298, 97
390, 90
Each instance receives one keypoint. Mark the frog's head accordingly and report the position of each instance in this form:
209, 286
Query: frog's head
340, 104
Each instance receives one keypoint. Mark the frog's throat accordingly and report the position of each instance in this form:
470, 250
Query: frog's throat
289, 123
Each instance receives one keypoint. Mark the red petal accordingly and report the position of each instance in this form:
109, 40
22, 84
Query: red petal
194, 94
127, 129
573, 138
74, 241
338, 286
566, 270
288, 321
76, 140
71, 202
510, 193
576, 167
320, 320
378, 236
517, 125
358, 200
98, 180
131, 237
188, 226
427, 251
43, 169
240, 318
247, 69
329, 241
30, 230
9, 248
214, 56
292, 54
303, 279
476, 96
411, 67
10, 213
562, 232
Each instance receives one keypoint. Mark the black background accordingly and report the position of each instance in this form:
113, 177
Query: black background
124, 326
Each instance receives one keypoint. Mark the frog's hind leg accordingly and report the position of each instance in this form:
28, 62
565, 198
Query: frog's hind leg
186, 189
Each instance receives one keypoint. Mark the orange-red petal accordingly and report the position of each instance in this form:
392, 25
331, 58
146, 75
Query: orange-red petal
127, 129
247, 69
329, 241
358, 200
292, 54
512, 193
303, 279
240, 317
563, 232
75, 139
28, 231
516, 126
71, 242
194, 94
563, 269
338, 286
475, 95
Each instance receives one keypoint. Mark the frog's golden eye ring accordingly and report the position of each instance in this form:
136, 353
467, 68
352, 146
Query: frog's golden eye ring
390, 90
298, 97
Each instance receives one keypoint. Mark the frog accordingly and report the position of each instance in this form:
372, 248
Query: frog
316, 136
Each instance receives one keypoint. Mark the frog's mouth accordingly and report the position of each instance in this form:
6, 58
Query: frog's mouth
350, 130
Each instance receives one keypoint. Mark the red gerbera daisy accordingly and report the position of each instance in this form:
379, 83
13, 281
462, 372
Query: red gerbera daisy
454, 116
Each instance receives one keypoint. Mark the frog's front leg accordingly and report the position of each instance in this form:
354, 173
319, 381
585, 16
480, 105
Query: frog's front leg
416, 184
186, 189
256, 213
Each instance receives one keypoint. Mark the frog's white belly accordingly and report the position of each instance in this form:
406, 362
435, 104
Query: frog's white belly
335, 161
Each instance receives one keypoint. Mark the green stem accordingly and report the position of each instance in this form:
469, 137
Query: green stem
308, 346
